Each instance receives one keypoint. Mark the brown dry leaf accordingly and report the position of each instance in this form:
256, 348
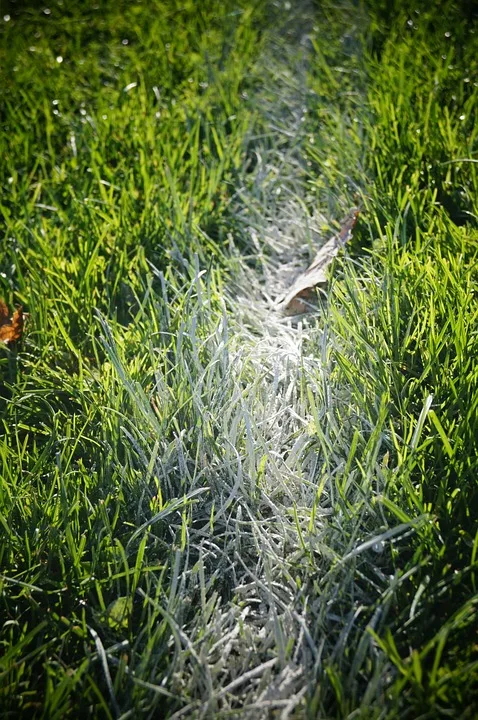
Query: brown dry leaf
10, 330
298, 298
4, 314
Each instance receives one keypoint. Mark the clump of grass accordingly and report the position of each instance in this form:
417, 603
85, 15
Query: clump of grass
403, 362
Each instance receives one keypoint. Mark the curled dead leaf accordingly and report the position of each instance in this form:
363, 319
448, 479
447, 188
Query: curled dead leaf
11, 329
297, 300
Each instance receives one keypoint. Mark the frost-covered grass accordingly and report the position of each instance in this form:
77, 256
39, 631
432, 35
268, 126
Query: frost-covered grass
208, 510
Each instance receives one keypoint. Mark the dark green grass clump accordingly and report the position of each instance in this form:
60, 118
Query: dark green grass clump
122, 132
404, 343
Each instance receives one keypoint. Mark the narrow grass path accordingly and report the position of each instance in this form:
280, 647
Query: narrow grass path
208, 510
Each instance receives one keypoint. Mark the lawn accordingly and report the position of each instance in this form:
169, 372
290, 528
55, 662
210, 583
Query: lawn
208, 510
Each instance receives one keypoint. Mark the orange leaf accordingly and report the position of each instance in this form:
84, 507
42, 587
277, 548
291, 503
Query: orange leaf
4, 314
10, 330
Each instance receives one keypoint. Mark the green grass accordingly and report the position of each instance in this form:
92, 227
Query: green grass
207, 511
